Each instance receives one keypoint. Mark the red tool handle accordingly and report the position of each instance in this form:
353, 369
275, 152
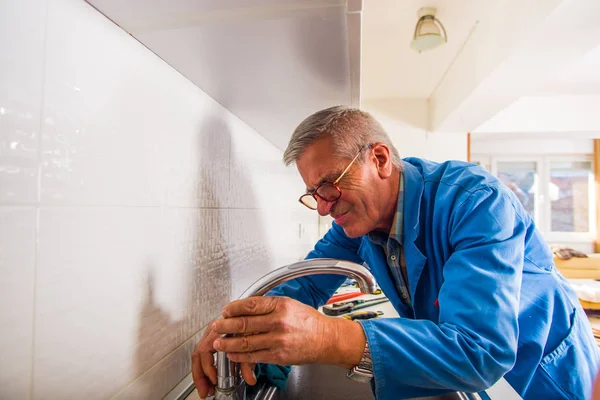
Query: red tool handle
343, 296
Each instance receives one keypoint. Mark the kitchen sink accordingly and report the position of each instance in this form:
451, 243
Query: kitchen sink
322, 382
314, 382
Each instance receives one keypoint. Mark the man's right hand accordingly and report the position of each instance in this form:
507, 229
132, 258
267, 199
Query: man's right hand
204, 371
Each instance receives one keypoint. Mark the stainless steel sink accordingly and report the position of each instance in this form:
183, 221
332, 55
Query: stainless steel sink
324, 382
314, 382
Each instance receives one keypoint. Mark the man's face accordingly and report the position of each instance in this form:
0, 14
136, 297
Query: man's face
358, 210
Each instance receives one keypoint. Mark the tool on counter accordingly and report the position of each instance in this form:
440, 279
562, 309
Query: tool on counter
348, 306
596, 333
345, 296
362, 315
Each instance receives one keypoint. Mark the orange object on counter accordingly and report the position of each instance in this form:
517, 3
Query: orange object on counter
343, 296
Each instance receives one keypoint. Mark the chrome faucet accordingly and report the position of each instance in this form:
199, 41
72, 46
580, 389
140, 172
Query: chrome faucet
230, 385
229, 381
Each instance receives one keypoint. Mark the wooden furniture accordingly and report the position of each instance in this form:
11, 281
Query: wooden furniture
579, 268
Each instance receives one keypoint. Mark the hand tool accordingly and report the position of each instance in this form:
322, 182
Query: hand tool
345, 296
362, 315
348, 306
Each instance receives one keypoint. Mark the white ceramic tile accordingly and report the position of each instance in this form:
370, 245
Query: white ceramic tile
157, 382
127, 287
259, 241
95, 279
218, 252
110, 111
17, 259
259, 178
291, 234
21, 59
247, 249
194, 277
135, 282
198, 167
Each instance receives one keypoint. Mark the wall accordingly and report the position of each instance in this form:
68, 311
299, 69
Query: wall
532, 143
132, 208
548, 113
406, 121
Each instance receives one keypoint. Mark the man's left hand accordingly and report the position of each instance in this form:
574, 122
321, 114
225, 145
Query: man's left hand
283, 331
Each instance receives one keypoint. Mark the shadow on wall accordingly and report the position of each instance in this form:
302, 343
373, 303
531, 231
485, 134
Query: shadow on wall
326, 59
212, 243
155, 330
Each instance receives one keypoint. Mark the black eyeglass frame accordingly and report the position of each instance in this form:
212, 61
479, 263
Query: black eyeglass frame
315, 193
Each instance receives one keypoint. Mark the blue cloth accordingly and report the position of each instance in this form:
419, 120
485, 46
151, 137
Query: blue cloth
487, 299
276, 375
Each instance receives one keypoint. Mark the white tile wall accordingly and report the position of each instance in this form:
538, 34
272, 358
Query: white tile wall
154, 207
163, 376
21, 62
17, 258
105, 128
93, 269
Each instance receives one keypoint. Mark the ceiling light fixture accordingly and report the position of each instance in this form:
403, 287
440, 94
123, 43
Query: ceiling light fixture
429, 32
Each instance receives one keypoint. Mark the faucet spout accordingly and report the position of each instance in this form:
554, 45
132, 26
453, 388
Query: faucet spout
315, 266
228, 372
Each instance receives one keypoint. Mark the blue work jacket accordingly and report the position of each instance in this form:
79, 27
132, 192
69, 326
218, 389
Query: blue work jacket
488, 300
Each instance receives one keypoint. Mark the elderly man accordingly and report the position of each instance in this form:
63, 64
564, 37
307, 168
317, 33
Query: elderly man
455, 252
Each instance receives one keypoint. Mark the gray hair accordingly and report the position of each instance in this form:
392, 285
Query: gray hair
349, 128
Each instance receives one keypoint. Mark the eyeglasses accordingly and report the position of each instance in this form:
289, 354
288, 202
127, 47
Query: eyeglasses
328, 191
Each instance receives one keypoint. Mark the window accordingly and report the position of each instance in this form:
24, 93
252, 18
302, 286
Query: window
521, 177
557, 191
569, 193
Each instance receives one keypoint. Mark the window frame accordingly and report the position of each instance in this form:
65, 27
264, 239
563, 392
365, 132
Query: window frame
538, 198
543, 206
569, 236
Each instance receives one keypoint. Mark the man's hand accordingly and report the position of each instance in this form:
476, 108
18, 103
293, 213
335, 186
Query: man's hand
204, 371
283, 331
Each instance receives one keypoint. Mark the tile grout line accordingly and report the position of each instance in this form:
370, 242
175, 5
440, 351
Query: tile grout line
38, 203
161, 360
119, 206
133, 36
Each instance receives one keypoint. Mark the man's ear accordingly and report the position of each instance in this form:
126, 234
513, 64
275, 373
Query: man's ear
383, 160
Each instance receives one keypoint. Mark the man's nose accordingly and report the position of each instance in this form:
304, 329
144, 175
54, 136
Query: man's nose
324, 206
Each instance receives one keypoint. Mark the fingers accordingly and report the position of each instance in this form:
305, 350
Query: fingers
244, 324
204, 372
248, 373
207, 359
244, 344
208, 367
263, 356
200, 380
257, 305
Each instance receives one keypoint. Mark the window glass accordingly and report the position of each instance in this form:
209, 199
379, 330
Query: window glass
569, 191
521, 178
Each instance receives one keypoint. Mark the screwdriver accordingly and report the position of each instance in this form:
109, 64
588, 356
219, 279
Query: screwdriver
349, 306
362, 315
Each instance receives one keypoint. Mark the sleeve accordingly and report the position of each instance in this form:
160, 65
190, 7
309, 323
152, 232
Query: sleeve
316, 290
474, 342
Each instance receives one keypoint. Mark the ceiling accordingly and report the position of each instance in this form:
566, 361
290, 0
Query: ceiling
270, 62
502, 57
273, 62
391, 69
579, 77
557, 88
